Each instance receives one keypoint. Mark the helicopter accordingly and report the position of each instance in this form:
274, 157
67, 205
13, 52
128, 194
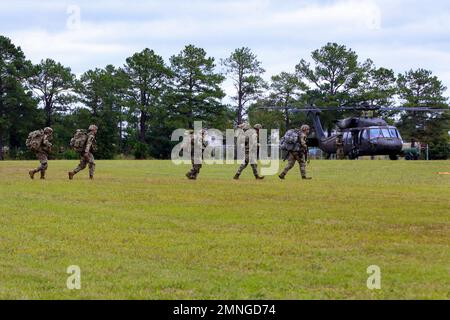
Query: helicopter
358, 136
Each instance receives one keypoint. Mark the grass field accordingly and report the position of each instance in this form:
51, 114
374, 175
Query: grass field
141, 230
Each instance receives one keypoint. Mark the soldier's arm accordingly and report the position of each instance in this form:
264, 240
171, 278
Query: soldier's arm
247, 140
89, 142
46, 143
303, 141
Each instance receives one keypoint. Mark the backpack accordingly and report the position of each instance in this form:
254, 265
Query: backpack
78, 142
34, 140
289, 141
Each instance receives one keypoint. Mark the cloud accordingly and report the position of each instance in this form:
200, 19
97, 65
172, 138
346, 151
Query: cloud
398, 34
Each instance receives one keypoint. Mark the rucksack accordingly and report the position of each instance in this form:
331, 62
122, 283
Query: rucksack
289, 141
34, 140
78, 142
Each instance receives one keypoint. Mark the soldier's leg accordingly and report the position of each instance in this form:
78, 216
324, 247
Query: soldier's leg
302, 162
191, 172
44, 164
33, 171
91, 166
255, 172
81, 166
43, 160
197, 168
291, 163
242, 167
255, 169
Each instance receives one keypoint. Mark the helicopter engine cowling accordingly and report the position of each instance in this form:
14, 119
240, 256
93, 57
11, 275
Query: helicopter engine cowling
351, 123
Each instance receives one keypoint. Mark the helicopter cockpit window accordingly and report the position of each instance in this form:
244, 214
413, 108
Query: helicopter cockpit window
386, 133
375, 133
394, 133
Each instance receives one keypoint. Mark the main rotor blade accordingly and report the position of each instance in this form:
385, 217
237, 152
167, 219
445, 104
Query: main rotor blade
356, 108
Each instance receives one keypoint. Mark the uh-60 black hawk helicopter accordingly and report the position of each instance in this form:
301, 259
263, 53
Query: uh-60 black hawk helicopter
359, 136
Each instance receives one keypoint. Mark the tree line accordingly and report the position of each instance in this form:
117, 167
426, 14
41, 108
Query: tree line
139, 104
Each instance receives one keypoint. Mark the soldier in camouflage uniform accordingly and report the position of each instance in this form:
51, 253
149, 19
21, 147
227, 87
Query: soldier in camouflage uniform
340, 155
42, 154
196, 140
299, 154
87, 158
246, 127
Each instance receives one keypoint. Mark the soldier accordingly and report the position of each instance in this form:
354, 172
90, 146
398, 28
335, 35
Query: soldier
246, 127
87, 158
340, 155
298, 154
196, 140
42, 152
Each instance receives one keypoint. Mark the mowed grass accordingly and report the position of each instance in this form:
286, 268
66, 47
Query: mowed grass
141, 230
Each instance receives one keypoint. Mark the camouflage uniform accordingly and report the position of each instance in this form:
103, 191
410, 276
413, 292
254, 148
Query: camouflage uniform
86, 157
244, 165
340, 146
199, 141
298, 155
42, 154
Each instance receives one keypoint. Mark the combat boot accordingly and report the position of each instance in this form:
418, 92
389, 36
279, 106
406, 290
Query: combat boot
282, 176
71, 174
91, 177
306, 178
42, 175
31, 173
236, 176
258, 177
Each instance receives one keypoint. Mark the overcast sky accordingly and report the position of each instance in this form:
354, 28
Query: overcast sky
398, 34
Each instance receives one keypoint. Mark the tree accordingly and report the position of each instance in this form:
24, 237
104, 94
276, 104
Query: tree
335, 77
101, 91
335, 74
18, 113
377, 87
148, 78
420, 88
269, 118
196, 87
437, 136
245, 71
53, 84
286, 91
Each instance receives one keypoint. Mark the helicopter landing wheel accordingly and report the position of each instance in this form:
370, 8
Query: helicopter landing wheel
353, 155
393, 157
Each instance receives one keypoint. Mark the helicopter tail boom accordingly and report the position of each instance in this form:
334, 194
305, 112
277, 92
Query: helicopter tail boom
317, 124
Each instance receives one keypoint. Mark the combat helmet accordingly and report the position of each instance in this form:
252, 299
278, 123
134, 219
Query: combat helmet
244, 126
48, 130
92, 127
304, 127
